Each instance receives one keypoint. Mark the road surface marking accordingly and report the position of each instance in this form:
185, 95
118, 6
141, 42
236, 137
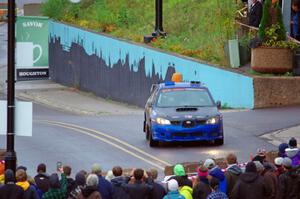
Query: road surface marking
110, 137
85, 131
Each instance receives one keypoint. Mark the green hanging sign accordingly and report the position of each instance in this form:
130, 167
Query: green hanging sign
32, 47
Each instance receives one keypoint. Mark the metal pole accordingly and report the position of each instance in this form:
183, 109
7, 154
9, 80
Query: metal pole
158, 16
10, 155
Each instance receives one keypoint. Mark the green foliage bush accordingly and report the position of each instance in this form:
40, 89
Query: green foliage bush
196, 28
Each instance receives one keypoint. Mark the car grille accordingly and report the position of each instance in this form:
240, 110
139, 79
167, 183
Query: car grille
183, 135
188, 123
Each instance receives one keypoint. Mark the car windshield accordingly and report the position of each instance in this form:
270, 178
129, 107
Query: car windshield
184, 97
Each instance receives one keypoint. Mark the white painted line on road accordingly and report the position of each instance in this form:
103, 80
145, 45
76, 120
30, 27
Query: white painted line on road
111, 137
84, 131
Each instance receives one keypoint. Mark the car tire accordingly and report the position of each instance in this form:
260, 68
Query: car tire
219, 142
152, 143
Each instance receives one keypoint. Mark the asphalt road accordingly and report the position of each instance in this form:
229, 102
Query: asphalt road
119, 140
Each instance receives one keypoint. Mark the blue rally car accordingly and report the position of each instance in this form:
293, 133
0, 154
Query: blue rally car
182, 112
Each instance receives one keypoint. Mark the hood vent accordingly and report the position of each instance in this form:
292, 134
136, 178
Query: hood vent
186, 109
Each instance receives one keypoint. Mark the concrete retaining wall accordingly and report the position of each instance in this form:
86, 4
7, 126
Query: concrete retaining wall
276, 91
125, 71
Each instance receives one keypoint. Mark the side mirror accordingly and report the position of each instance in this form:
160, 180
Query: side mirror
218, 103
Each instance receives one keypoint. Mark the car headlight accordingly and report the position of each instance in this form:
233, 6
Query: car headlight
163, 121
213, 120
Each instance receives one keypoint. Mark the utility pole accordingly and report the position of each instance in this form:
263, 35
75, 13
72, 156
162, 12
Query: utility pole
10, 155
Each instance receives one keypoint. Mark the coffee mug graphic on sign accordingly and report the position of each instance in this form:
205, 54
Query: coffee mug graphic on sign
24, 54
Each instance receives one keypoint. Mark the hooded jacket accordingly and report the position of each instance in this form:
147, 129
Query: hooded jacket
158, 191
232, 175
174, 195
294, 154
201, 190
118, 191
10, 190
187, 192
104, 188
179, 172
250, 186
42, 181
138, 190
271, 181
289, 185
29, 191
89, 192
218, 173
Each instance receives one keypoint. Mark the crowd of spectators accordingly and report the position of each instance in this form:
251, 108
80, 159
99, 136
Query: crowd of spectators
256, 179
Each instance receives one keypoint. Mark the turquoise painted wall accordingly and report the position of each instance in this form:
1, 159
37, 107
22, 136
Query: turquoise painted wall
234, 89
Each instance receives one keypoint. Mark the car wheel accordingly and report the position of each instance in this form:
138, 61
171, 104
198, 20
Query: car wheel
152, 143
219, 141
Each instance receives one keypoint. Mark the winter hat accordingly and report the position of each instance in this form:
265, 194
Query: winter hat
259, 166
287, 162
96, 169
269, 166
202, 171
278, 161
172, 185
9, 176
21, 167
179, 170
217, 173
209, 163
282, 147
293, 143
250, 167
54, 181
80, 178
92, 180
109, 176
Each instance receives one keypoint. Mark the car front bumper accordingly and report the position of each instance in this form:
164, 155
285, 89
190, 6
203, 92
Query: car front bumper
170, 133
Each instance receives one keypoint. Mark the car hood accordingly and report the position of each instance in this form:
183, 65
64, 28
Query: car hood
173, 113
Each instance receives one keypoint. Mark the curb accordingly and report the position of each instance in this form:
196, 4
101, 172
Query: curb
57, 106
273, 138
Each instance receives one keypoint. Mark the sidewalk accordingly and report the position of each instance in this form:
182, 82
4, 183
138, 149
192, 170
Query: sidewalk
283, 135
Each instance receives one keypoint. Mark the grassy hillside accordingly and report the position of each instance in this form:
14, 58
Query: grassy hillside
196, 28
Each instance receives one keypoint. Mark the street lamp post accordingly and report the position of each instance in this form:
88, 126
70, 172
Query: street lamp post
158, 30
10, 155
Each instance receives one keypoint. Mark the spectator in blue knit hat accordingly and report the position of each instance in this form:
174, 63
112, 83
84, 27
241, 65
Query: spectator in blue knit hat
216, 172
